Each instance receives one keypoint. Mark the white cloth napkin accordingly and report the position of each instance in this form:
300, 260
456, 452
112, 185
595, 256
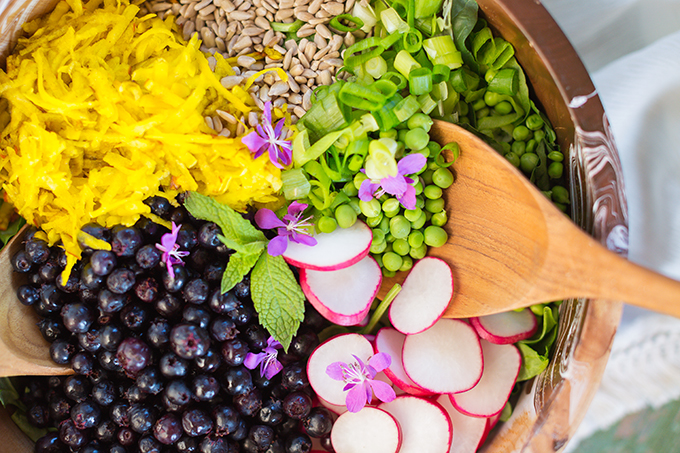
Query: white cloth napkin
632, 50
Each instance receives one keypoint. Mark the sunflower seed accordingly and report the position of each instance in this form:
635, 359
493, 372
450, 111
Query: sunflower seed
201, 5
278, 102
319, 40
308, 73
310, 50
305, 31
241, 16
159, 7
245, 61
262, 22
279, 88
225, 133
315, 6
296, 70
252, 119
287, 60
307, 100
295, 98
299, 111
231, 81
283, 14
324, 32
228, 117
294, 87
242, 43
304, 61
209, 122
304, 16
217, 124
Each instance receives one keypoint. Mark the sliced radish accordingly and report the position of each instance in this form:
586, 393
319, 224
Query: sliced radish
343, 296
369, 430
501, 367
337, 250
446, 358
341, 348
424, 296
507, 327
391, 341
424, 424
490, 423
468, 432
338, 410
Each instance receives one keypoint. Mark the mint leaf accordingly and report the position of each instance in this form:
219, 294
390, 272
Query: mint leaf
8, 394
24, 425
240, 264
532, 362
234, 227
277, 297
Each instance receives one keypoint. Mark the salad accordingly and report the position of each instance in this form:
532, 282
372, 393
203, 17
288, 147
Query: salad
217, 191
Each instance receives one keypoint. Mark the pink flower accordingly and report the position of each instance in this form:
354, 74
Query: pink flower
267, 359
170, 248
399, 185
360, 380
269, 138
291, 227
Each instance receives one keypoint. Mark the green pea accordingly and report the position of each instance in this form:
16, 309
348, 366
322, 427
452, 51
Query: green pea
350, 189
521, 133
531, 146
519, 147
373, 222
420, 222
433, 192
345, 216
464, 109
420, 120
389, 238
561, 207
387, 273
427, 176
391, 261
415, 238
556, 156
560, 195
425, 152
412, 214
534, 122
528, 162
385, 225
539, 135
378, 247
400, 227
419, 187
537, 309
392, 133
354, 204
491, 98
439, 218
326, 224
442, 177
428, 215
378, 235
378, 258
401, 247
482, 113
358, 179
391, 207
370, 208
418, 252
356, 162
420, 202
513, 158
401, 135
434, 205
503, 108
478, 104
406, 263
435, 236
416, 138
555, 170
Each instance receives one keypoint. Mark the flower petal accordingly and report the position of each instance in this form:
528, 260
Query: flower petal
277, 246
380, 361
408, 198
267, 112
296, 208
356, 398
383, 391
272, 343
253, 360
266, 219
411, 164
272, 369
274, 155
394, 185
253, 141
278, 128
334, 371
303, 239
366, 190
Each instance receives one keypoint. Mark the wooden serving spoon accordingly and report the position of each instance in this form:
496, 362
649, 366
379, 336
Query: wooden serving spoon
509, 247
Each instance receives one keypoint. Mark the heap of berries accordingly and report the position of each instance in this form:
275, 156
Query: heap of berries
163, 361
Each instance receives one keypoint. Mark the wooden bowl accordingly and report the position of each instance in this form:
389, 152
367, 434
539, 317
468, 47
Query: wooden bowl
553, 404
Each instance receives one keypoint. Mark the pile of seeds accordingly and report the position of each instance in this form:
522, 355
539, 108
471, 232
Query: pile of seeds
240, 30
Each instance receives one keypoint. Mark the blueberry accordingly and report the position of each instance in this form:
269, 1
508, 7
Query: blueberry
248, 404
204, 387
82, 363
110, 302
168, 305
134, 316
168, 429
51, 330
103, 262
48, 272
142, 418
59, 408
172, 366
149, 444
158, 333
21, 262
38, 415
186, 444
71, 285
208, 363
37, 250
303, 344
271, 412
226, 419
177, 392
222, 329
120, 280
212, 444
110, 337
86, 414
196, 315
148, 256
318, 423
237, 380
106, 431
234, 351
297, 405
104, 392
208, 235
149, 380
126, 437
222, 303
97, 231
196, 291
61, 351
189, 341
151, 231
125, 241
119, 413
187, 237
88, 278
196, 422
298, 443
159, 206
108, 360
241, 432
242, 288
49, 443
146, 289
294, 377
256, 336
174, 283
214, 271
77, 388
133, 355
261, 436
134, 394
70, 435
51, 296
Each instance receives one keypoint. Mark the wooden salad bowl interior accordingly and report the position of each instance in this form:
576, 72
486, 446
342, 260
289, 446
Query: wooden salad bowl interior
551, 405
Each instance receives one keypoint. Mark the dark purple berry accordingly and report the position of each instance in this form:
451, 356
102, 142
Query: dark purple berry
103, 262
121, 280
77, 388
134, 316
146, 290
88, 278
256, 336
168, 305
134, 394
119, 413
261, 436
110, 337
175, 282
189, 341
149, 444
142, 418
196, 291
234, 351
37, 251
148, 256
249, 403
271, 412
226, 419
223, 303
49, 443
303, 344
168, 429
133, 355
196, 315
294, 377
110, 302
159, 206
237, 380
48, 272
298, 443
214, 271
208, 363
187, 237
172, 366
104, 392
38, 415
212, 444
186, 444
297, 405
196, 422
28, 295
59, 408
208, 235
126, 437
86, 414
108, 360
21, 263
51, 329
204, 387
125, 241
158, 333
77, 317
222, 329
70, 435
106, 431
82, 363
61, 351
178, 393
318, 423
149, 380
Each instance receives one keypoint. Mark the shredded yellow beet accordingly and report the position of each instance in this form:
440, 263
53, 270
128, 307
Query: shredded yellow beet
107, 109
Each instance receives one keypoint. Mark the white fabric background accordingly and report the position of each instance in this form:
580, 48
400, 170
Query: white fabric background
632, 51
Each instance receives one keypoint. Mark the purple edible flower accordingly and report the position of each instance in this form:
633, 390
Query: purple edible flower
170, 248
266, 137
291, 227
399, 185
267, 359
360, 380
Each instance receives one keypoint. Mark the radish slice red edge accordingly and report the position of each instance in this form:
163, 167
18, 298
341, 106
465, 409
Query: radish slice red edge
343, 296
337, 250
425, 425
468, 432
430, 280
371, 430
507, 327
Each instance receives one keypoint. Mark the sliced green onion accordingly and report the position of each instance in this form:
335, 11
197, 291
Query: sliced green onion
359, 53
339, 26
385, 117
411, 13
439, 45
427, 25
386, 87
376, 67
406, 108
405, 63
401, 6
440, 91
420, 81
401, 80
453, 148
505, 82
366, 14
361, 97
412, 41
427, 104
426, 9
325, 116
287, 28
389, 40
497, 121
392, 22
440, 73
295, 184
463, 80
